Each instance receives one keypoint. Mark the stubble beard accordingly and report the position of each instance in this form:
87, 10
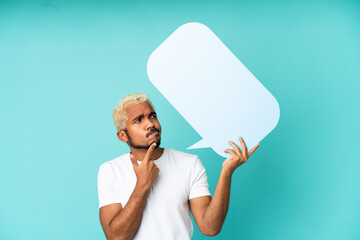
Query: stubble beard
133, 145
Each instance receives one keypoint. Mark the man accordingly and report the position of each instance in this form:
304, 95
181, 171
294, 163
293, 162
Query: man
149, 192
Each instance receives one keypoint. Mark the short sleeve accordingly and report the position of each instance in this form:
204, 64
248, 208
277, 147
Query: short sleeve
199, 186
107, 191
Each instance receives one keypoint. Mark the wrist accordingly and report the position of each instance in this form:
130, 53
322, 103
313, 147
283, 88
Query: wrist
141, 190
227, 172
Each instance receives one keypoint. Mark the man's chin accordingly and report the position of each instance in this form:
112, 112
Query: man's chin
157, 143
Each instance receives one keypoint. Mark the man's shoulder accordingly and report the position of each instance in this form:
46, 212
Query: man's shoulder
118, 161
179, 154
185, 161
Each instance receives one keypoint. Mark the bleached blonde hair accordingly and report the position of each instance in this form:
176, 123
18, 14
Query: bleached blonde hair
119, 115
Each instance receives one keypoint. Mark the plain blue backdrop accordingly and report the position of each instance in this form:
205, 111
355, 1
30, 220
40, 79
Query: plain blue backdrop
65, 64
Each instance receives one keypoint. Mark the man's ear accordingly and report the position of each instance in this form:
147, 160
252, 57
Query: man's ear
122, 136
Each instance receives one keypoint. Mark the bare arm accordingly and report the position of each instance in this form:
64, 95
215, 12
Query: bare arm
208, 213
123, 223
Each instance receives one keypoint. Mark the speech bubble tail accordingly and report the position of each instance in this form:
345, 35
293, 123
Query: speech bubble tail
199, 144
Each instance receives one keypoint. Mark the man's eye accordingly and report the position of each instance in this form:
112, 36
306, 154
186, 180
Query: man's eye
137, 120
153, 116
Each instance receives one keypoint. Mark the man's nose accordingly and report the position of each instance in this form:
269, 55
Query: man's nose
148, 123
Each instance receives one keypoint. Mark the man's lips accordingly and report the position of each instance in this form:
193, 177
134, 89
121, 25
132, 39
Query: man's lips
152, 132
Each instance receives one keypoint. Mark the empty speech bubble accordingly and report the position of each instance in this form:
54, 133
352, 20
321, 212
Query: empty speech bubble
215, 93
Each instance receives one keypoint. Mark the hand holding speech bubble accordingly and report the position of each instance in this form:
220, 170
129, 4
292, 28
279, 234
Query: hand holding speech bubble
215, 93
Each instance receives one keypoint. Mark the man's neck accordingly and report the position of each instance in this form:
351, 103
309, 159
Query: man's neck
140, 153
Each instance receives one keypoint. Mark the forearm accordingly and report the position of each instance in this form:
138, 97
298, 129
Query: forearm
125, 224
215, 214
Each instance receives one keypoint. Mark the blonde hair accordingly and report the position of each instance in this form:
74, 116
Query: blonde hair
119, 115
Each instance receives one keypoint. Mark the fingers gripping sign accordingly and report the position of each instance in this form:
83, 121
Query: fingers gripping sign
238, 156
147, 171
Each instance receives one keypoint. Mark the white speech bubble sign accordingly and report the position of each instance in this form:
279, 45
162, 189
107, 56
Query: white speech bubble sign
215, 93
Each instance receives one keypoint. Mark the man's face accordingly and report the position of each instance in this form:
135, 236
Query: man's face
142, 126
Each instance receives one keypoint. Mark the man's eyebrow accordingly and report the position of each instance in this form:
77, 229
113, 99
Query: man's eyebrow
138, 117
142, 115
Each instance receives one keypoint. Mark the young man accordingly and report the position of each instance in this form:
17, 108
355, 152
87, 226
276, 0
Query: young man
149, 192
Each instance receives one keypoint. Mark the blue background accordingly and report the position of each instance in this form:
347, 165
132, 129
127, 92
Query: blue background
65, 64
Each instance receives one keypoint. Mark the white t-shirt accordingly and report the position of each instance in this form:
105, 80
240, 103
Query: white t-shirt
167, 214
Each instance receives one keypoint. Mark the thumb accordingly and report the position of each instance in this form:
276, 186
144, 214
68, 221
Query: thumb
133, 160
